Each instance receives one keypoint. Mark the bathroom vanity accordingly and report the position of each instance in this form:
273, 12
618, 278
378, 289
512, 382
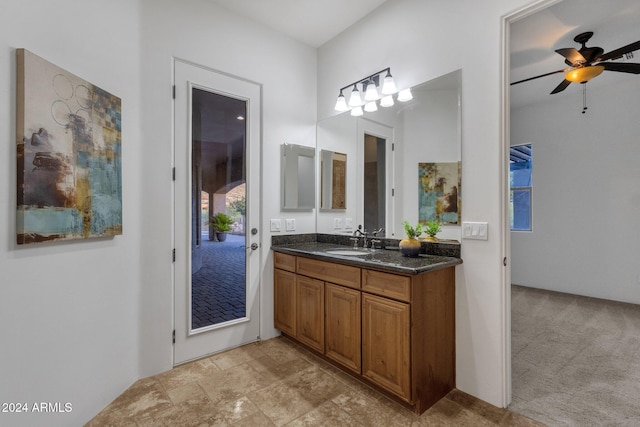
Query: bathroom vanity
386, 319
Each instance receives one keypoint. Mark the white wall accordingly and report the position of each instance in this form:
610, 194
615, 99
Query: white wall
586, 192
203, 33
81, 321
69, 311
421, 40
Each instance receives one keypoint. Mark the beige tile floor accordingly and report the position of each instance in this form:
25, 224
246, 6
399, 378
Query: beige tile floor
277, 383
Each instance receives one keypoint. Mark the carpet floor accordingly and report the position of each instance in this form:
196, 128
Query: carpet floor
575, 360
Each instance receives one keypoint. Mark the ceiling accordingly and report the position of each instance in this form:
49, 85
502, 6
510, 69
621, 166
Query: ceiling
533, 41
313, 22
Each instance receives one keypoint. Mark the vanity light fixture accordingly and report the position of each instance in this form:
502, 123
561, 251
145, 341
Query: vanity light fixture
386, 101
370, 107
372, 94
354, 99
388, 85
341, 103
405, 95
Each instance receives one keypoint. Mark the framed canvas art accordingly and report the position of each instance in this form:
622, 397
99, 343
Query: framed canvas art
69, 155
439, 195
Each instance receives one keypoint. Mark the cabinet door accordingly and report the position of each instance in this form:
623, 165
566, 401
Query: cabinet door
284, 301
310, 312
342, 326
385, 344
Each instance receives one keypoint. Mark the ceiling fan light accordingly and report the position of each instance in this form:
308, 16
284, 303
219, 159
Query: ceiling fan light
341, 103
357, 111
405, 95
386, 101
355, 100
584, 74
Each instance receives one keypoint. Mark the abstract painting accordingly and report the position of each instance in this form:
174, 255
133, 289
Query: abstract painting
439, 194
69, 149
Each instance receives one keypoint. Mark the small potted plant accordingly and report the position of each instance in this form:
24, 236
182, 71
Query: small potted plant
222, 224
433, 228
410, 246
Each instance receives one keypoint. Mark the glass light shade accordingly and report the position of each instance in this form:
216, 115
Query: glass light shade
357, 111
372, 92
341, 103
370, 107
386, 101
354, 99
584, 74
405, 95
388, 85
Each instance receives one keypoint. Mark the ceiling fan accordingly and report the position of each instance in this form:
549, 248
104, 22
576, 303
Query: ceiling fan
589, 62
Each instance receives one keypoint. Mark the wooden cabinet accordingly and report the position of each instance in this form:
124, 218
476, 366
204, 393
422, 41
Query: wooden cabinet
284, 300
342, 326
393, 331
310, 312
385, 344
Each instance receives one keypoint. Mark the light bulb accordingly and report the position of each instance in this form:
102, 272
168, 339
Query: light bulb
405, 95
357, 111
584, 74
372, 92
354, 99
370, 107
388, 85
341, 103
386, 101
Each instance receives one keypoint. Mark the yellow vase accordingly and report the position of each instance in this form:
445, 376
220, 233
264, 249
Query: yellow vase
431, 239
410, 247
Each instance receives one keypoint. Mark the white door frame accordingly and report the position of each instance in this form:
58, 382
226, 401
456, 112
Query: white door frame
505, 123
188, 344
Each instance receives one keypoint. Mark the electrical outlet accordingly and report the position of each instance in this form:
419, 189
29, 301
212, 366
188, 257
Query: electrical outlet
275, 225
337, 223
290, 224
348, 223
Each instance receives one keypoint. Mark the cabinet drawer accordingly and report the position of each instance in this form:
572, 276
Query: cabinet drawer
388, 285
284, 261
345, 275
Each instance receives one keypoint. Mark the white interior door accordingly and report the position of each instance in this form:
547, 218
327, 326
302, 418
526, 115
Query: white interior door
217, 170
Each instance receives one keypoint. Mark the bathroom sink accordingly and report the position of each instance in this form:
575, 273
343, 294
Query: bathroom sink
347, 252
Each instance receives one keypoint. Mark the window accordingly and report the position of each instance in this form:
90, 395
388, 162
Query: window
520, 184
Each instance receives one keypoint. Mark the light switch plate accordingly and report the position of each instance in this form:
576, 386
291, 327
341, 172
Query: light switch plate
337, 223
290, 224
348, 223
475, 230
276, 225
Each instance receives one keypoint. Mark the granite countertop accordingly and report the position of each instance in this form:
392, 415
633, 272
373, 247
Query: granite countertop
380, 259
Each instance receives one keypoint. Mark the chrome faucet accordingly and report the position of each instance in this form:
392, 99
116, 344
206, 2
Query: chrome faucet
364, 235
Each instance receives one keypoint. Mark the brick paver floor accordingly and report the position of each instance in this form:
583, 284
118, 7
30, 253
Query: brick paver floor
218, 288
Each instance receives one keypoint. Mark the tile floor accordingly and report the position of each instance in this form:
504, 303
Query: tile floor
277, 383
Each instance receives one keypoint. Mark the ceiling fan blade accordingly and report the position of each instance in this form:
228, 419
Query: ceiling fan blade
572, 55
623, 67
537, 77
562, 86
619, 52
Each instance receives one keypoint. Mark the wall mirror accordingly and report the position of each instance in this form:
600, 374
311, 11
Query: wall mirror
387, 151
298, 175
333, 180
